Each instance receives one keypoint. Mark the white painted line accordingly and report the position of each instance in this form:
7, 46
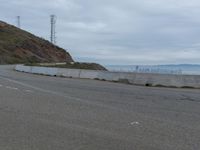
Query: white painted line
29, 91
135, 123
60, 94
12, 88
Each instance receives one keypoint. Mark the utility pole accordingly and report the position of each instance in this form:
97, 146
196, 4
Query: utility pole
18, 22
53, 29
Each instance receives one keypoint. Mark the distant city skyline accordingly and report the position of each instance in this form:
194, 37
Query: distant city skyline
125, 32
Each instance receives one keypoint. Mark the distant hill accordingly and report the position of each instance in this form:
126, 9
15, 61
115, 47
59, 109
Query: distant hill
74, 65
19, 46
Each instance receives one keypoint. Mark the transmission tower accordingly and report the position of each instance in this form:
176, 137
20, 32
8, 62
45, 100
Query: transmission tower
18, 22
53, 29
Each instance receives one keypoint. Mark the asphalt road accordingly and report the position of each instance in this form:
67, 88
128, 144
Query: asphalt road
50, 113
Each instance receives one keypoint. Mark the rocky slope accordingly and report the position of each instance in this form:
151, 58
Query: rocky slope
19, 46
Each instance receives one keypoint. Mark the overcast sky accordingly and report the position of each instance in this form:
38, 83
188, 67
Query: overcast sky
115, 31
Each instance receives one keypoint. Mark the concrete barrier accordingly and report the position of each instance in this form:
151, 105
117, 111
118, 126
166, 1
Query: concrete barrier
147, 79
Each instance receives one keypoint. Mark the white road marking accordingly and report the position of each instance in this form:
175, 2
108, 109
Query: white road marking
60, 94
12, 88
29, 91
135, 123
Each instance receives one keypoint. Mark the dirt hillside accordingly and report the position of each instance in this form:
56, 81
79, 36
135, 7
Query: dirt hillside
19, 46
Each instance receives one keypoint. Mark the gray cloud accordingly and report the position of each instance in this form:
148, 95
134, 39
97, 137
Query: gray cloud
116, 32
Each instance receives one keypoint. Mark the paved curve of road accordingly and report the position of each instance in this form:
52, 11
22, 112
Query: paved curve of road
49, 113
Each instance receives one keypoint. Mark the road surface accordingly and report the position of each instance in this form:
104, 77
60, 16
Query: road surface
50, 113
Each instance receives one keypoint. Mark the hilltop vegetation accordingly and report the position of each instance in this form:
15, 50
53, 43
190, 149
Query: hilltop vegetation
19, 46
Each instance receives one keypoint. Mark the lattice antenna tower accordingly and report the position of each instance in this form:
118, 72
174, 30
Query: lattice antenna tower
18, 21
53, 29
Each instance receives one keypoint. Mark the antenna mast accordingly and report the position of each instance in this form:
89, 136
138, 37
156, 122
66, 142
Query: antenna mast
53, 29
18, 22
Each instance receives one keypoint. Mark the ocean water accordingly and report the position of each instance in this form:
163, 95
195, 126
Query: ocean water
185, 69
